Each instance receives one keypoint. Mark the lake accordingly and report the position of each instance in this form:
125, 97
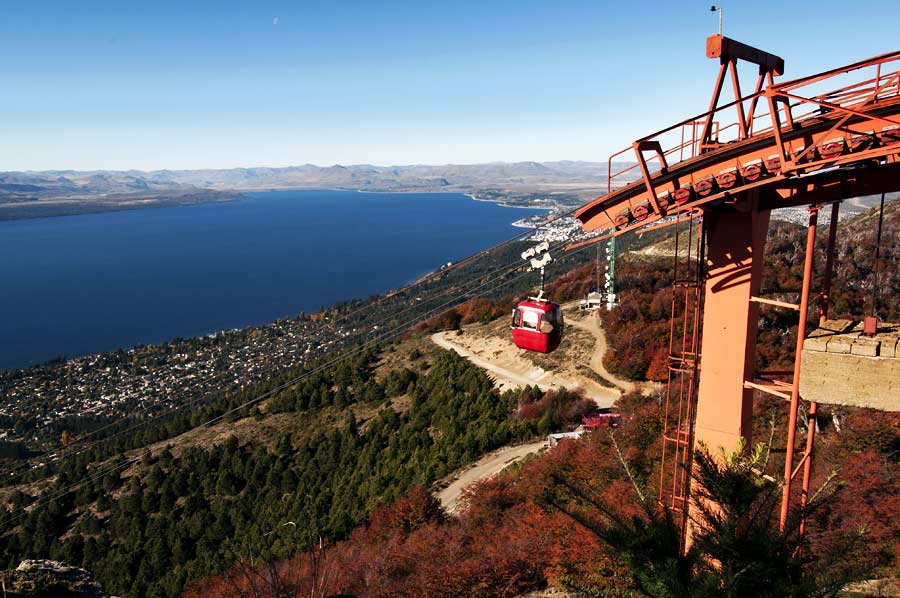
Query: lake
97, 282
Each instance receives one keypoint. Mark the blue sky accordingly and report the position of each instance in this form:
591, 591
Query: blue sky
196, 84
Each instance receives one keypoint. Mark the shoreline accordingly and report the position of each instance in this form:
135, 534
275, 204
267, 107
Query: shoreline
504, 204
237, 327
63, 207
60, 209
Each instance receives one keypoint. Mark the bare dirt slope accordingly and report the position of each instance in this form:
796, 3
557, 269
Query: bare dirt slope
576, 365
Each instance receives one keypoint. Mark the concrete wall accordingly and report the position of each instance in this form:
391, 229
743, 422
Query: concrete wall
841, 366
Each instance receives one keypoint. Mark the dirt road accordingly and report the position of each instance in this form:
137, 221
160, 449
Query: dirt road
591, 324
506, 373
492, 349
486, 467
578, 364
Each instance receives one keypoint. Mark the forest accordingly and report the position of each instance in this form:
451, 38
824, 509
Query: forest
583, 517
339, 500
179, 517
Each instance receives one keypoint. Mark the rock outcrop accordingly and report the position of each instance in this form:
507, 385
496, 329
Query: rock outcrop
45, 579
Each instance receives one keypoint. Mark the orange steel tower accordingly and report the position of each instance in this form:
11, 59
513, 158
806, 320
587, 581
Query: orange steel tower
808, 142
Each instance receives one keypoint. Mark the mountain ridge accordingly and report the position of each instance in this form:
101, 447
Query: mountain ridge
34, 194
396, 175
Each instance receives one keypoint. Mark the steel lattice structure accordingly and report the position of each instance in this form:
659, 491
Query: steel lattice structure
808, 142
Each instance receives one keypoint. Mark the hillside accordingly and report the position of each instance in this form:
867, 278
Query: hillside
350, 451
553, 521
545, 521
351, 438
576, 365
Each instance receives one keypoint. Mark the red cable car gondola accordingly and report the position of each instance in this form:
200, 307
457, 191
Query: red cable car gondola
537, 324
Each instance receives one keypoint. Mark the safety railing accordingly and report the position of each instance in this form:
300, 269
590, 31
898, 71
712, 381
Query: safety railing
776, 110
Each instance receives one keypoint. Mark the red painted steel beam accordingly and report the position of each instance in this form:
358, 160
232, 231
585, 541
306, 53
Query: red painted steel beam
798, 356
851, 121
725, 48
835, 185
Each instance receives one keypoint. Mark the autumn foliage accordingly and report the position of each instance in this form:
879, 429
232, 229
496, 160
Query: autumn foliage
555, 408
473, 310
506, 541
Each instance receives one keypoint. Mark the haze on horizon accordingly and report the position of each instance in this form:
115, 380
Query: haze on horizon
103, 85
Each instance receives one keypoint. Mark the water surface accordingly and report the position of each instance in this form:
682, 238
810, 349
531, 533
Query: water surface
97, 282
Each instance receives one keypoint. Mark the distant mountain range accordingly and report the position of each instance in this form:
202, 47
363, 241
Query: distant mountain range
367, 176
53, 192
357, 176
29, 186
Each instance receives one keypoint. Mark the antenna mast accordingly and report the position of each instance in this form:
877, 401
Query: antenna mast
717, 8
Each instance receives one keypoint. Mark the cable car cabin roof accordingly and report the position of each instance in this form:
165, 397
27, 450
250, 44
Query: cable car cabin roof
541, 306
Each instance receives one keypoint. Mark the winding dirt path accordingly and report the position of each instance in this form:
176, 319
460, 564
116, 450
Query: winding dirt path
488, 466
591, 324
489, 349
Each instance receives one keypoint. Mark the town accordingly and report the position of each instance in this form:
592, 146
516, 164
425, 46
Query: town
36, 403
